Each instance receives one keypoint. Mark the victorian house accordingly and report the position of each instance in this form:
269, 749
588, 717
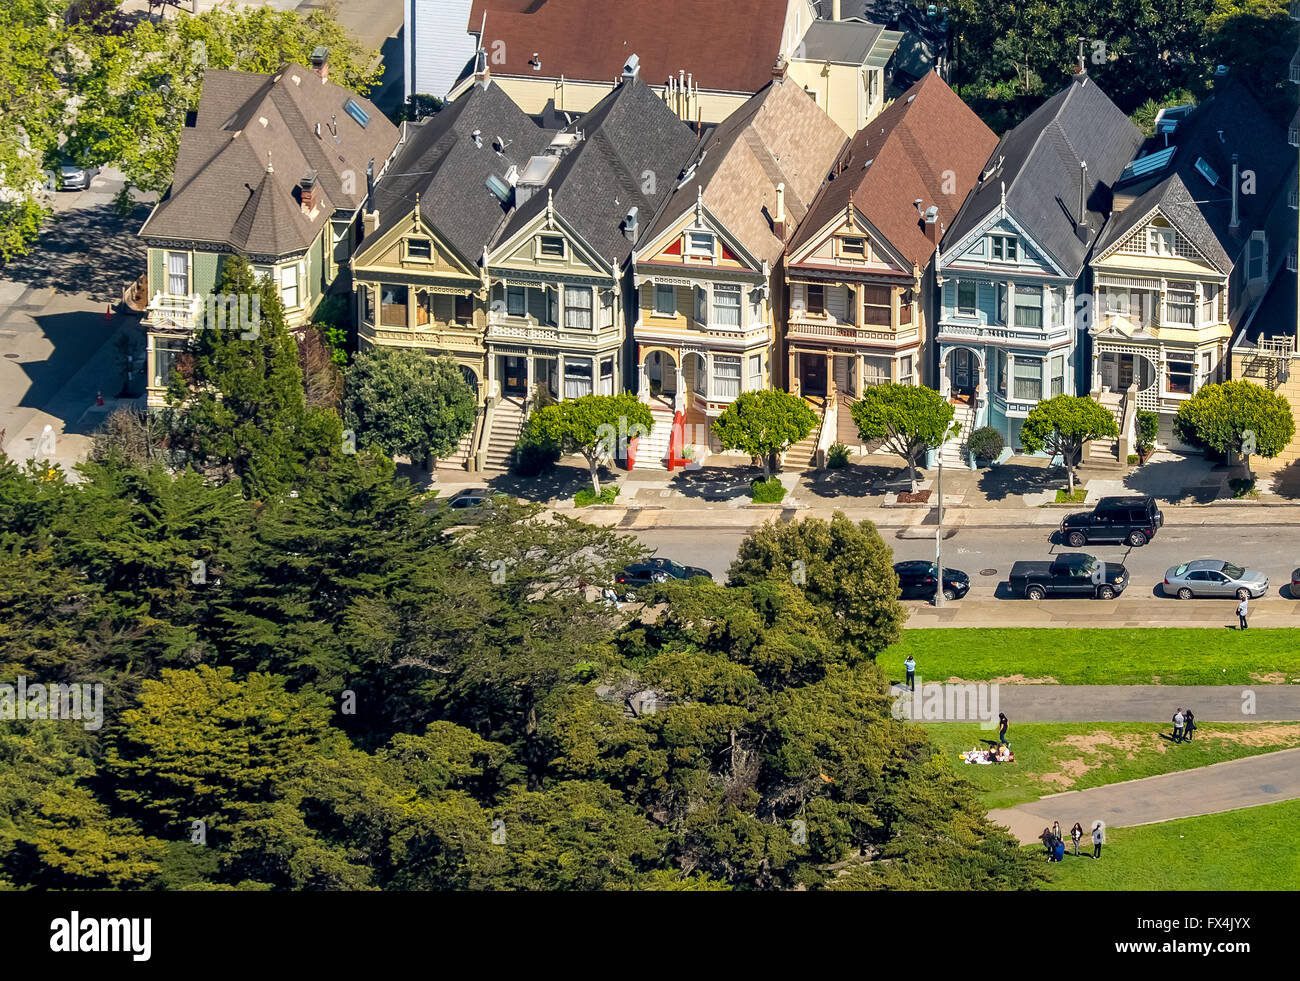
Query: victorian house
708, 268
1013, 265
558, 271
274, 168
1187, 254
860, 268
419, 274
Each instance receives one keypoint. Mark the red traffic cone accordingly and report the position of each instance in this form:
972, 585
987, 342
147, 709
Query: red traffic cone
99, 398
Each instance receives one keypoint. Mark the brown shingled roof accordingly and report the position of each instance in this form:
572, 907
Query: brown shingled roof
727, 45
922, 136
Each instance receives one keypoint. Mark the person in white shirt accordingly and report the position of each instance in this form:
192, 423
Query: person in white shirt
1242, 610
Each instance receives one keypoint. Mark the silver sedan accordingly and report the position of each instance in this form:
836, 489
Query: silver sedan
1214, 577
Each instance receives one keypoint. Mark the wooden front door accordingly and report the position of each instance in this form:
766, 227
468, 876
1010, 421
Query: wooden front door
812, 374
963, 372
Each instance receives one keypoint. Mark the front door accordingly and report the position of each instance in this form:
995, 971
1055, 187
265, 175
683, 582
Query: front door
514, 376
963, 375
812, 374
1125, 372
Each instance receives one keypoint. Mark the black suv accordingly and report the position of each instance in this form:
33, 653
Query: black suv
1133, 520
654, 571
916, 580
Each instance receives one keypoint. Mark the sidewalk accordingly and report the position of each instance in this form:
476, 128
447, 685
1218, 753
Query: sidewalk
1137, 703
1125, 612
1263, 779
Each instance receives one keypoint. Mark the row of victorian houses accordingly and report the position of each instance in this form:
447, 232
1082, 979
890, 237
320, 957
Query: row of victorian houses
630, 250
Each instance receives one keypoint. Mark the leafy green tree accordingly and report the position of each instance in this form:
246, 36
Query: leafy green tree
846, 570
764, 424
240, 411
910, 419
1236, 417
592, 426
1063, 424
406, 402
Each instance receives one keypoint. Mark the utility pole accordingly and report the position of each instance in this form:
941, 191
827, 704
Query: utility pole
938, 543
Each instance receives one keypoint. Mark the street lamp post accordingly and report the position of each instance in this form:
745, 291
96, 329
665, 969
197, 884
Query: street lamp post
938, 543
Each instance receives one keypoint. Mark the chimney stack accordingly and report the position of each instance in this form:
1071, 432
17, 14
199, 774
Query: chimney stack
1083, 195
780, 68
320, 62
1236, 218
778, 223
932, 224
630, 224
309, 191
632, 68
482, 73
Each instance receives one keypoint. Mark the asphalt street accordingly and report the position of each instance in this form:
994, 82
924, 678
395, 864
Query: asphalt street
987, 554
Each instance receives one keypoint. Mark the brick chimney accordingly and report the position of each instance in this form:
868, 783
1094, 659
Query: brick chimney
320, 62
309, 191
780, 68
932, 224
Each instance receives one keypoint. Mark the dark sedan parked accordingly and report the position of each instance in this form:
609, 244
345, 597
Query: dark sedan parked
917, 580
654, 571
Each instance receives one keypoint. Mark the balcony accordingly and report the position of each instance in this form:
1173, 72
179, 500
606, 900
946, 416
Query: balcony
165, 310
513, 328
1002, 334
826, 329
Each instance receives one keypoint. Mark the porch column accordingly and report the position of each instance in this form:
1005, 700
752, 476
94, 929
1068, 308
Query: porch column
559, 374
492, 389
945, 383
1096, 369
830, 373
642, 383
791, 379
1011, 375
529, 368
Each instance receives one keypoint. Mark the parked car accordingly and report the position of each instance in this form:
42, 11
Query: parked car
654, 571
466, 503
65, 174
1295, 583
1214, 577
1133, 520
1069, 574
916, 580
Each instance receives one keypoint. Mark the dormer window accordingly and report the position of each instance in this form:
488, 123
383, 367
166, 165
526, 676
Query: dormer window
853, 248
1003, 248
551, 247
699, 244
419, 248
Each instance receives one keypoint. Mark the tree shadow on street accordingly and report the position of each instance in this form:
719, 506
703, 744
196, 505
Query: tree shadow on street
717, 483
1014, 478
854, 480
1176, 481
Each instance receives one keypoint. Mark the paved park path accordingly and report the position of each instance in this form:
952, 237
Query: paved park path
1264, 779
1146, 703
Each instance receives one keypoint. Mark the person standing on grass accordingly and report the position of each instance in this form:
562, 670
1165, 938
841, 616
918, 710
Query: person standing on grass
1180, 721
1189, 724
1076, 833
1242, 610
1056, 831
1002, 730
1098, 839
910, 665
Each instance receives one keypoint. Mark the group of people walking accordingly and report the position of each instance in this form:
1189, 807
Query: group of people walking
1184, 725
1055, 843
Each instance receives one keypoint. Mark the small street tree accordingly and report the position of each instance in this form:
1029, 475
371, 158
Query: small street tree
1062, 424
1237, 417
911, 419
406, 402
592, 425
763, 424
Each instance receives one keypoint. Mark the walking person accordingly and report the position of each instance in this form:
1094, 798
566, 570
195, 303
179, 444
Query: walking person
1098, 839
1189, 724
910, 665
1180, 721
1056, 831
1002, 730
1242, 611
1076, 833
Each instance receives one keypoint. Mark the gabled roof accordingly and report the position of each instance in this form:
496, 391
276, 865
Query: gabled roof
909, 147
1231, 121
632, 152
237, 170
779, 136
1040, 161
727, 46
441, 163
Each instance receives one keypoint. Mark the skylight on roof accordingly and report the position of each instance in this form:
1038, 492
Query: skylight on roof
1206, 171
356, 112
1152, 163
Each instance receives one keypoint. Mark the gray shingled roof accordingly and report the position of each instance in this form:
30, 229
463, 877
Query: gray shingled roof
1230, 121
443, 165
1040, 168
628, 135
254, 138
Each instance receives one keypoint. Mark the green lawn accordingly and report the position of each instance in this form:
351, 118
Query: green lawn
1254, 848
1055, 757
1101, 656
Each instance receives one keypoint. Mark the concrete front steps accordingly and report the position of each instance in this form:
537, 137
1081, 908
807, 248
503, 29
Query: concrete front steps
953, 452
799, 456
459, 459
652, 450
507, 421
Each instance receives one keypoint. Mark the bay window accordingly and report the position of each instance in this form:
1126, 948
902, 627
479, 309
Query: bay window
577, 376
289, 285
755, 372
726, 303
392, 305
1029, 379
577, 312
1178, 374
1029, 307
607, 376
905, 375
178, 273
876, 302
1180, 305
166, 355
726, 377
1002, 373
1210, 303
875, 370
1058, 374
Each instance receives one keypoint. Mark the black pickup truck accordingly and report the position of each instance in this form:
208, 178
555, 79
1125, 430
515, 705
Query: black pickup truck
1069, 574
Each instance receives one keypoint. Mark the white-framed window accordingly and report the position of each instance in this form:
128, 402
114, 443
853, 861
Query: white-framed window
853, 247
166, 353
1179, 369
906, 373
1207, 367
1058, 374
289, 285
178, 273
419, 249
1210, 303
699, 244
392, 304
755, 372
701, 305
577, 311
966, 298
1029, 307
1160, 241
1180, 307
577, 377
516, 301
1003, 248
1029, 379
726, 376
1055, 313
607, 376
665, 300
726, 305
875, 370
1257, 257
551, 247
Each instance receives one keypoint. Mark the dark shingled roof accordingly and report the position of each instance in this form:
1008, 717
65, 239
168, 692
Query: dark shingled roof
1201, 210
1040, 168
442, 164
911, 145
631, 141
254, 138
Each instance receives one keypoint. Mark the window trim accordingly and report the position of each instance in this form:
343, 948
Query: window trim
189, 272
541, 248
411, 240
689, 247
843, 241
1010, 248
671, 291
974, 309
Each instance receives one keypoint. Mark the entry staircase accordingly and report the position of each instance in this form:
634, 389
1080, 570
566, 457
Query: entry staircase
507, 422
953, 452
